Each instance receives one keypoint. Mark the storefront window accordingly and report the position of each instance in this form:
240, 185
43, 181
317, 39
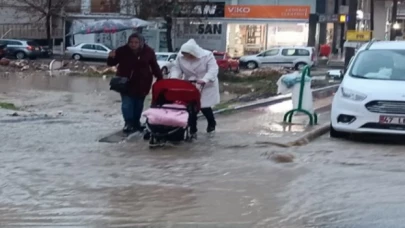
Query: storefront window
251, 39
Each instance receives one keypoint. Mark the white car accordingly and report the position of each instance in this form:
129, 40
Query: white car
371, 97
165, 61
291, 57
88, 50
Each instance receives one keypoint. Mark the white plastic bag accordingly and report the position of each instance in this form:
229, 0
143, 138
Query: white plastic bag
307, 100
283, 88
293, 86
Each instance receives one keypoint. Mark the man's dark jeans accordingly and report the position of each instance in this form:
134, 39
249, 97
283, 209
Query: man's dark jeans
132, 108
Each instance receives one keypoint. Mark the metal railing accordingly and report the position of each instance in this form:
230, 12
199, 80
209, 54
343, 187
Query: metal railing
27, 31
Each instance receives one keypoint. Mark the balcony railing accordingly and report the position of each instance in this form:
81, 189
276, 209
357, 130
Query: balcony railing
27, 31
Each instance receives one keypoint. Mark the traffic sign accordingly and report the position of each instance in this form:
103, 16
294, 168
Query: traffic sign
354, 35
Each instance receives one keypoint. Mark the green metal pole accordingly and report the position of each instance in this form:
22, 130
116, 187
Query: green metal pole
302, 87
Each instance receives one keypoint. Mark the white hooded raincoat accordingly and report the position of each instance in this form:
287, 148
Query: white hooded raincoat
204, 67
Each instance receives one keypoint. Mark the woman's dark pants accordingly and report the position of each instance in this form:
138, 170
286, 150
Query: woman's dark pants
209, 115
132, 108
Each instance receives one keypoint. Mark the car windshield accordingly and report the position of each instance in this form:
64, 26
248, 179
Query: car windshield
161, 57
379, 65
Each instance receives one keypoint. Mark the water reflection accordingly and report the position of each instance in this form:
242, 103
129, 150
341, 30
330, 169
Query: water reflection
42, 81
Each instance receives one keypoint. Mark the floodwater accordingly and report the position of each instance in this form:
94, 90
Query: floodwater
55, 173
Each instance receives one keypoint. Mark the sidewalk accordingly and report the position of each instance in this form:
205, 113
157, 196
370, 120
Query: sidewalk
267, 123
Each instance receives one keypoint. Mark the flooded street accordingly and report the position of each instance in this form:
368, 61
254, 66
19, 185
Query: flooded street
55, 173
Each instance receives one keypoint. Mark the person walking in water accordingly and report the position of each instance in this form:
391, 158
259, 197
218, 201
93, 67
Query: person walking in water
196, 63
137, 62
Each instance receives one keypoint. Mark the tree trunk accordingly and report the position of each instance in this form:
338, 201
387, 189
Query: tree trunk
48, 24
169, 28
48, 30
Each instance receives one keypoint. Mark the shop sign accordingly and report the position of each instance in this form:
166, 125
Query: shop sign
207, 35
325, 18
362, 36
201, 9
267, 11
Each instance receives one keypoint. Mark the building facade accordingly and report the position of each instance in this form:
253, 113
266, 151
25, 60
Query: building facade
247, 27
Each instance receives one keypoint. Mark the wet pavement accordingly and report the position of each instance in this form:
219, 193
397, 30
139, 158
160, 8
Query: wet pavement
55, 173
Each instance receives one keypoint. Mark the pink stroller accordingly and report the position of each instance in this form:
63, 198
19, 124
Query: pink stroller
173, 101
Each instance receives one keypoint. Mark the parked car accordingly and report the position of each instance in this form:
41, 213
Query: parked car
290, 57
3, 52
88, 51
226, 62
165, 61
46, 51
21, 49
371, 97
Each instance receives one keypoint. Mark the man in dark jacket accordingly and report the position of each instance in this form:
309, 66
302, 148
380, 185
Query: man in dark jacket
137, 62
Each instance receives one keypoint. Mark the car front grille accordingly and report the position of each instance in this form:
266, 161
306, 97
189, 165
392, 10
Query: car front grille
379, 126
386, 107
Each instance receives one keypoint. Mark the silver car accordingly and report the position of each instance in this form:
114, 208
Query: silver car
21, 49
88, 51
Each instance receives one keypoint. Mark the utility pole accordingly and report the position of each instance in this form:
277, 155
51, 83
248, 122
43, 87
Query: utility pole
393, 19
372, 17
351, 25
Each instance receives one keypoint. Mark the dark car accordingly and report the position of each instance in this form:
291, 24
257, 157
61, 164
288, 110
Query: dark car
46, 51
21, 49
3, 52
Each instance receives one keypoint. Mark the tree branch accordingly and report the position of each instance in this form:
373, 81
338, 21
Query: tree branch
35, 6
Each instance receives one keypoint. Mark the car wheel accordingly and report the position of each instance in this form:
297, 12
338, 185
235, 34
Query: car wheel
165, 71
337, 134
76, 56
20, 55
300, 66
251, 65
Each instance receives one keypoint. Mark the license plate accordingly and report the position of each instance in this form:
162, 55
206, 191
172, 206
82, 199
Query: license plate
392, 120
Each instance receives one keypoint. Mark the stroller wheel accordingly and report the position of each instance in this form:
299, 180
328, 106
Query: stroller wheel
191, 137
152, 142
146, 136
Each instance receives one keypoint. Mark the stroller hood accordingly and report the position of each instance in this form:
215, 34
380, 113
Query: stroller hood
175, 90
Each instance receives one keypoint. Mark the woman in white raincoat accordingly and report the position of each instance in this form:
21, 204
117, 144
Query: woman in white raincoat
195, 63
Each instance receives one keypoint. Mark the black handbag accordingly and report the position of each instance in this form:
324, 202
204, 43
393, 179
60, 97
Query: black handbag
119, 84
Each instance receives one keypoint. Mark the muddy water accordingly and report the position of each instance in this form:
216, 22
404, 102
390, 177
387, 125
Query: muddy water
42, 81
352, 183
54, 173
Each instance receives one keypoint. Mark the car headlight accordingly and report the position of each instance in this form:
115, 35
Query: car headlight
353, 95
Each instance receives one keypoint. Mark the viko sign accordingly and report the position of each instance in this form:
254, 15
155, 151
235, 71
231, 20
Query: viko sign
201, 9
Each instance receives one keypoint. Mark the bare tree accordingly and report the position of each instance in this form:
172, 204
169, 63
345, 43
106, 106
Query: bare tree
165, 9
44, 10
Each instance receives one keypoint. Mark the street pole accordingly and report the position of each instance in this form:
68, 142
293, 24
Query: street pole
393, 19
372, 17
351, 25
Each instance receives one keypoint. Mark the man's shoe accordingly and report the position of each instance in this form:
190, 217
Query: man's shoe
210, 128
128, 129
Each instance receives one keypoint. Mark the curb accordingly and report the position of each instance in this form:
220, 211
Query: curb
316, 93
302, 140
311, 135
